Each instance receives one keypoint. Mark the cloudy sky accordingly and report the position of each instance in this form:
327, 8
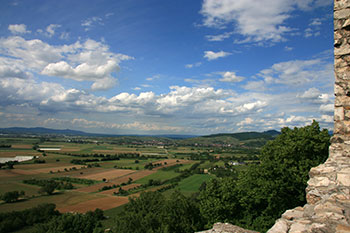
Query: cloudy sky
163, 66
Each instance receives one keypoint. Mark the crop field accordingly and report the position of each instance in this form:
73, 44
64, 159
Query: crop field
160, 175
191, 184
103, 203
107, 174
105, 177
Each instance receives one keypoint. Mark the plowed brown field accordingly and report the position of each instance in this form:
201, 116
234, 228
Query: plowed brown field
103, 203
107, 174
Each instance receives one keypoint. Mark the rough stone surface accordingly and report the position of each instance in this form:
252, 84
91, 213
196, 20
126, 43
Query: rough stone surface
227, 228
328, 191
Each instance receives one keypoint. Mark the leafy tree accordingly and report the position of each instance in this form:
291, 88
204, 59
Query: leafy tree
181, 214
49, 187
152, 212
80, 223
12, 196
15, 220
10, 164
263, 192
141, 214
219, 201
279, 182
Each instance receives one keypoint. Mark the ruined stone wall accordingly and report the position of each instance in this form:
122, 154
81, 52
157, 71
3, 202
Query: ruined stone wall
328, 191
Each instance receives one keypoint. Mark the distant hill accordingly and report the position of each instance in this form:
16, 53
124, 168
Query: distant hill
248, 135
41, 130
247, 139
273, 133
69, 132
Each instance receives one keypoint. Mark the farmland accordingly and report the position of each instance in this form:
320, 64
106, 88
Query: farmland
104, 173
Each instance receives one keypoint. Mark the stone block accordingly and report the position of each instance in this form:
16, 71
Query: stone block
281, 226
296, 213
343, 77
343, 49
342, 228
330, 207
338, 113
338, 90
319, 227
298, 228
342, 127
319, 181
341, 101
346, 23
346, 114
312, 198
343, 179
338, 5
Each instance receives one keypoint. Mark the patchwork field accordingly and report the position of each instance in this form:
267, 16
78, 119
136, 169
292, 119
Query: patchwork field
94, 183
107, 174
103, 203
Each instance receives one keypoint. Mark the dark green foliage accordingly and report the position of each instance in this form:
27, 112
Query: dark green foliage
83, 161
263, 192
279, 182
150, 166
10, 164
13, 196
107, 187
242, 136
39, 161
219, 201
56, 183
152, 212
16, 220
181, 214
75, 180
49, 187
78, 223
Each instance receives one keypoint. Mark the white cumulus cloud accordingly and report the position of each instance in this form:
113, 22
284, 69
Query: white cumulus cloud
230, 77
210, 55
18, 29
87, 61
256, 20
50, 30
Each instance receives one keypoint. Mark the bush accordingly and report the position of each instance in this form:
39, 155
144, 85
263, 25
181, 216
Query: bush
152, 212
16, 220
13, 196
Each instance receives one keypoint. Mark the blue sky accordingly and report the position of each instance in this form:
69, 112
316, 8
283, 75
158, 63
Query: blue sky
160, 67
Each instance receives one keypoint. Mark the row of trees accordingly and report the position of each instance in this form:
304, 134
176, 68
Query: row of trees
50, 185
45, 219
11, 196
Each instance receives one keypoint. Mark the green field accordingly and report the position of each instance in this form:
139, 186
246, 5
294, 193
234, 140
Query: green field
191, 184
159, 175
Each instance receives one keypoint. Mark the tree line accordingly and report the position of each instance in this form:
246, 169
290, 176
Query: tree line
45, 219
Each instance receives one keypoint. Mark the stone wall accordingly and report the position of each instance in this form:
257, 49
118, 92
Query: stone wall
328, 191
